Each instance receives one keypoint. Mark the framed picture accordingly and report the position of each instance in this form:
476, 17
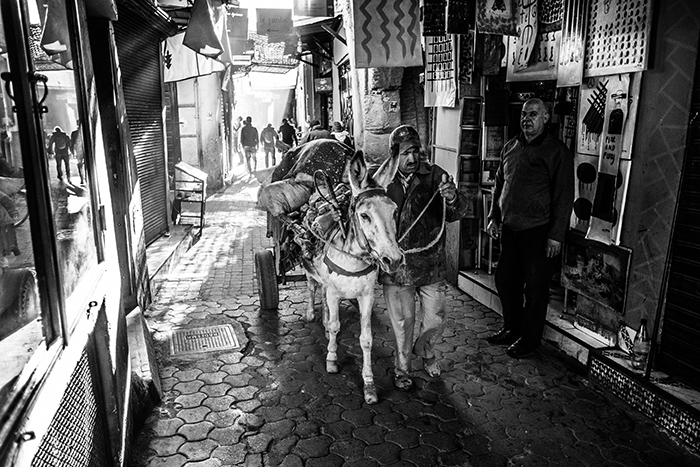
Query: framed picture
469, 141
597, 271
488, 171
471, 112
495, 139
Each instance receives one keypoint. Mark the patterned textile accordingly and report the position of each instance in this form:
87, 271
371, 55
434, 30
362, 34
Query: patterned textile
441, 71
387, 33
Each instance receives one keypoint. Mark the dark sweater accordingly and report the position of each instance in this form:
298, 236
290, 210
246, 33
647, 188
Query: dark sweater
534, 185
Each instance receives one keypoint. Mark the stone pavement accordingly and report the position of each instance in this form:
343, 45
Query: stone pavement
271, 402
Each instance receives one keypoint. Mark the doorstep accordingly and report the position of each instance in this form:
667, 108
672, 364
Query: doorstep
164, 253
669, 403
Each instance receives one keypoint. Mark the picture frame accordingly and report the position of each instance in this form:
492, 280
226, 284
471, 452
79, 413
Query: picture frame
597, 271
495, 140
469, 141
471, 112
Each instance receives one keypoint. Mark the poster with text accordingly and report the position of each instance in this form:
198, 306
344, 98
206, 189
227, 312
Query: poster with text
441, 71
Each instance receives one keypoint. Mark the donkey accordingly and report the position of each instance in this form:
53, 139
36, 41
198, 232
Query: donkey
347, 267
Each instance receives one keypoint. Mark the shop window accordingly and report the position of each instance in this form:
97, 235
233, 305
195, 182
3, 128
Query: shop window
48, 242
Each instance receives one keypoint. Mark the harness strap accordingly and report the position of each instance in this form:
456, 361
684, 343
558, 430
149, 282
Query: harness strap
333, 267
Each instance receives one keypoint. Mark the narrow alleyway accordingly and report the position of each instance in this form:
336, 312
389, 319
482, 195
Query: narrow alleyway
271, 402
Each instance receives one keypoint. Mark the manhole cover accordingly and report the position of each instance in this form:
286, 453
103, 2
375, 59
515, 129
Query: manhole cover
192, 340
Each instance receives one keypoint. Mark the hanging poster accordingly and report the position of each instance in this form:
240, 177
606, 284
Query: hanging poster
551, 14
586, 176
592, 98
466, 57
571, 52
543, 60
496, 17
603, 215
617, 39
440, 71
377, 42
434, 18
527, 34
621, 185
460, 16
490, 51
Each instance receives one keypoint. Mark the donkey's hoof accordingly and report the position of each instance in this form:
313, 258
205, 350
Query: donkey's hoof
371, 394
331, 367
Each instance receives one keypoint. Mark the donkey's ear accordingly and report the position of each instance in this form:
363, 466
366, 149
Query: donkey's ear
386, 172
357, 171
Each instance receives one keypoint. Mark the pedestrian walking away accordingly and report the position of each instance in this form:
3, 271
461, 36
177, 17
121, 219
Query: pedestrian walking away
59, 147
426, 198
532, 202
269, 137
288, 134
250, 143
316, 131
341, 134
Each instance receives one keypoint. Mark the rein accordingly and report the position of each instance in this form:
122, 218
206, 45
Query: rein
415, 221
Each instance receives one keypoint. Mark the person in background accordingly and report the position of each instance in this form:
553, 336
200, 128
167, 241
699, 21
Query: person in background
237, 125
269, 137
340, 133
423, 193
59, 147
532, 202
250, 143
77, 147
288, 134
316, 131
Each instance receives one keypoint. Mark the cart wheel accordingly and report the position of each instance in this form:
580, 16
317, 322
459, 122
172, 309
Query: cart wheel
266, 274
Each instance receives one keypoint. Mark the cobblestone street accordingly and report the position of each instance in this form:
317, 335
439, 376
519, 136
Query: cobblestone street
270, 402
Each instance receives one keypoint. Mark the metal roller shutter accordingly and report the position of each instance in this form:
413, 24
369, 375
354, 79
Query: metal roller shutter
138, 37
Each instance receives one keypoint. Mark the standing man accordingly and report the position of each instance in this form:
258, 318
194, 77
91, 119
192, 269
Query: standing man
59, 146
423, 193
532, 203
269, 137
288, 134
250, 141
78, 148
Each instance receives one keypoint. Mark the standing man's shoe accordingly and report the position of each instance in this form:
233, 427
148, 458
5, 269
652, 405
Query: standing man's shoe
503, 337
522, 348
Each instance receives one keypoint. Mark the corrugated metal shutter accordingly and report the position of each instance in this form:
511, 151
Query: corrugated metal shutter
138, 48
680, 339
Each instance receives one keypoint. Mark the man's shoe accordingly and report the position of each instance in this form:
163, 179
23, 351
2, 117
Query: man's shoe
522, 348
503, 337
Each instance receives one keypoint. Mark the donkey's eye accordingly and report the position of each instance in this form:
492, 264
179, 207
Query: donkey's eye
365, 217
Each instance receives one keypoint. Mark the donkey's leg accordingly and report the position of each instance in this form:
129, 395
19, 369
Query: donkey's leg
365, 303
312, 287
332, 328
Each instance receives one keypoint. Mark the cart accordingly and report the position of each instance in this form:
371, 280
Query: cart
280, 263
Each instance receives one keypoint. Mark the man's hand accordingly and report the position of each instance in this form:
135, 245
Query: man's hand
447, 188
553, 248
493, 229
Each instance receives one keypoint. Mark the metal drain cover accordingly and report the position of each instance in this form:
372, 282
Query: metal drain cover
210, 338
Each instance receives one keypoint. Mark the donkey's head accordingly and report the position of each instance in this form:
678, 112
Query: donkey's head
373, 212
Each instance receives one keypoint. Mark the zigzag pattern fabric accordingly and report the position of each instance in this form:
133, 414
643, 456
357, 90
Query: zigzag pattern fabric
387, 33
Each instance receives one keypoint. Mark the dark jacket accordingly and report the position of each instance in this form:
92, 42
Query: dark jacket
534, 185
427, 266
249, 136
316, 132
288, 134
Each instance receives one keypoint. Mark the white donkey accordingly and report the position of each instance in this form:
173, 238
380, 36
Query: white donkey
347, 267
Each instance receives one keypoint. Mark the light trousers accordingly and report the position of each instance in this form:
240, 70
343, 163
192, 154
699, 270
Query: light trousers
401, 305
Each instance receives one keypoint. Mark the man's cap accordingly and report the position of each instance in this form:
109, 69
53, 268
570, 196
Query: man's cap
402, 135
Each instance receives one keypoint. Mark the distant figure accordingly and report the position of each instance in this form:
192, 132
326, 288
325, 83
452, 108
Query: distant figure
316, 132
77, 146
288, 134
340, 133
250, 143
237, 125
59, 146
269, 136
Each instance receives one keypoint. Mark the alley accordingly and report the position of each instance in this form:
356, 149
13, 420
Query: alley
270, 402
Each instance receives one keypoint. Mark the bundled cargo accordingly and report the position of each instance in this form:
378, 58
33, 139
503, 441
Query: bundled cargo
292, 181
